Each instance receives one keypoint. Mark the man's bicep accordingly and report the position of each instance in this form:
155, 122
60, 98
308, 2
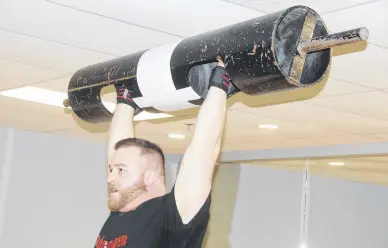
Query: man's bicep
194, 182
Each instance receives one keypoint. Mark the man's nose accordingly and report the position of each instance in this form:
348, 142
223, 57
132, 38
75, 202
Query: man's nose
110, 178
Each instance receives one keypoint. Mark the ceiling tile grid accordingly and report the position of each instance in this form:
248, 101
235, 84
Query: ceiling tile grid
366, 68
194, 17
335, 87
371, 14
369, 104
44, 117
56, 38
60, 84
47, 54
15, 74
65, 25
269, 6
307, 114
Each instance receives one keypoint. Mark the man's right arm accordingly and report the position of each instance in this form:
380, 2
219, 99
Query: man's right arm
122, 124
120, 128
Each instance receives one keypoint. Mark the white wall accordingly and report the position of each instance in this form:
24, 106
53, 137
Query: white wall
342, 214
56, 192
53, 194
347, 214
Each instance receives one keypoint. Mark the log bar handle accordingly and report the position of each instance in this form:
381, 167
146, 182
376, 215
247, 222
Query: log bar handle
66, 103
332, 40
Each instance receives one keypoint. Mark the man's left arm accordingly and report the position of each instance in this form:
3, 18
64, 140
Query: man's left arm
194, 180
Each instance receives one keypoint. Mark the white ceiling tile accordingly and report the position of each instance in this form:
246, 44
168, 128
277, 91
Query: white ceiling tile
372, 104
14, 74
366, 68
47, 54
244, 125
319, 6
338, 87
58, 84
373, 16
267, 144
80, 133
39, 117
180, 17
50, 21
304, 113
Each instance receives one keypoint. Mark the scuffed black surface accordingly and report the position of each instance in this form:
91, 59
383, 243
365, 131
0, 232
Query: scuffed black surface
86, 103
233, 43
257, 52
275, 37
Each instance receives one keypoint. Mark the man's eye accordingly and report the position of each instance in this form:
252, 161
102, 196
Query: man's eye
121, 170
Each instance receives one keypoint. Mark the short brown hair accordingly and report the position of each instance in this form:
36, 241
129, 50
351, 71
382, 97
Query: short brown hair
146, 147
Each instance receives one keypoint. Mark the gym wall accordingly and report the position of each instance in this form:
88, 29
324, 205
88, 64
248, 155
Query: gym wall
56, 194
53, 194
267, 212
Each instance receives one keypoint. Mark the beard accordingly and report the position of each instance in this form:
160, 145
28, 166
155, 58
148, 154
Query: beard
118, 200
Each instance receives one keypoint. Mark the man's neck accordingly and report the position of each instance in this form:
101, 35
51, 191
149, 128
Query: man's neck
143, 197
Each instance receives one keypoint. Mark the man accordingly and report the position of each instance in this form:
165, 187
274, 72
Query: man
143, 215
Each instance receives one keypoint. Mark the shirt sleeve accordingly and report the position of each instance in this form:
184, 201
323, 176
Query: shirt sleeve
173, 222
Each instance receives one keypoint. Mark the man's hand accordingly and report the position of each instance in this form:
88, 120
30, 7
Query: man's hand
220, 78
194, 180
124, 96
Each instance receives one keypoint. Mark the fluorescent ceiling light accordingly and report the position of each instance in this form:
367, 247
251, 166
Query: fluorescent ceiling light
176, 136
55, 98
336, 163
39, 95
268, 126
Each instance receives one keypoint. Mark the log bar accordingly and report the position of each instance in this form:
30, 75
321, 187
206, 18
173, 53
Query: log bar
332, 40
281, 51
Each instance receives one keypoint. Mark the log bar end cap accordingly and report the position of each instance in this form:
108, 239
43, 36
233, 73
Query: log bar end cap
364, 33
66, 103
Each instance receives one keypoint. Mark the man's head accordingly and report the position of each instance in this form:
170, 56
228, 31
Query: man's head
136, 169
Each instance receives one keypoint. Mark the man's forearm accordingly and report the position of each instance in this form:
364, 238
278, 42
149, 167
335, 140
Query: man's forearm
211, 118
121, 127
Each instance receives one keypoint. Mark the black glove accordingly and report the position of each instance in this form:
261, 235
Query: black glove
220, 78
124, 96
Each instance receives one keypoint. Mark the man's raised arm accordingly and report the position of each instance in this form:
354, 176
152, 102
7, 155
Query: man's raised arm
194, 180
122, 125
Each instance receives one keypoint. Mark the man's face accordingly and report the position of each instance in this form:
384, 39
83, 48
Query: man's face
125, 178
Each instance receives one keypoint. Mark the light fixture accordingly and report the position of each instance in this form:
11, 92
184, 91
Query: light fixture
55, 98
336, 163
268, 126
176, 136
38, 95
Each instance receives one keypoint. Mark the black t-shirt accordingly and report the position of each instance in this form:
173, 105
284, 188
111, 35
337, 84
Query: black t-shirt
154, 224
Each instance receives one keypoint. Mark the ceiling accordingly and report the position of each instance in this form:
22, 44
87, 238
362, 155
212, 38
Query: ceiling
42, 43
362, 169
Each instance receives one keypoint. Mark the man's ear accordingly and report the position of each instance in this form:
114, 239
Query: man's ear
149, 177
